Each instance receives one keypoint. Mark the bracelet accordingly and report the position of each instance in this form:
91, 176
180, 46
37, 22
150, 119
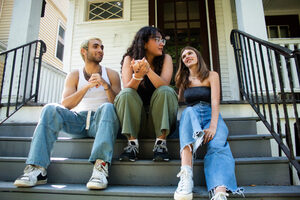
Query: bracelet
138, 79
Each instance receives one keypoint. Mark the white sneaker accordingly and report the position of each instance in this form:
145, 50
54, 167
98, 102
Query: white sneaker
33, 175
184, 190
98, 179
220, 196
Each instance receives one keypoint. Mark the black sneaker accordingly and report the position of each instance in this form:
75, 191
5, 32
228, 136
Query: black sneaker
161, 151
130, 152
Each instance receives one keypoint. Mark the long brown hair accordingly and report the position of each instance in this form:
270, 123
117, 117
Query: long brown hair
182, 74
137, 50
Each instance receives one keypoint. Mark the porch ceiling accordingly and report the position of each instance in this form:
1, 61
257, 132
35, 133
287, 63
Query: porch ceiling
281, 5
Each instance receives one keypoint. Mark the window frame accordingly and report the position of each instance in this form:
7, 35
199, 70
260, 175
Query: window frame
58, 39
83, 12
102, 1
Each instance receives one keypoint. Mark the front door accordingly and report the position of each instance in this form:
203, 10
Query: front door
184, 22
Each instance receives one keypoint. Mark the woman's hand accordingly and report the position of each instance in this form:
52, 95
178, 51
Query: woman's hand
140, 67
209, 134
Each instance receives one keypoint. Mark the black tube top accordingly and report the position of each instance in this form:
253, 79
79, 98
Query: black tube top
193, 95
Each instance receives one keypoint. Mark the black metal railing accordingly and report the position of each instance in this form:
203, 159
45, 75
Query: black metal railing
269, 80
21, 76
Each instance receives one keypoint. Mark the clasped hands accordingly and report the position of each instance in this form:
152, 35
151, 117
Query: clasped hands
140, 67
96, 80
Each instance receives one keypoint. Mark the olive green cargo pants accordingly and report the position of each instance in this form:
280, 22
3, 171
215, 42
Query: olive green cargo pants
136, 121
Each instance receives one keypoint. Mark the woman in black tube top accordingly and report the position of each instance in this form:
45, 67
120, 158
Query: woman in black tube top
201, 123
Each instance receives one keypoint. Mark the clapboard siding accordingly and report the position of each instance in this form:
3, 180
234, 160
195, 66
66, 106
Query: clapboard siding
5, 19
115, 34
49, 31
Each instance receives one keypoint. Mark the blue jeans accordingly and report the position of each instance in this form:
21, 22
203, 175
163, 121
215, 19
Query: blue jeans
218, 162
104, 126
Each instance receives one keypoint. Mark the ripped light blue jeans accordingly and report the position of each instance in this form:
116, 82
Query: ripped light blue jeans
218, 162
104, 126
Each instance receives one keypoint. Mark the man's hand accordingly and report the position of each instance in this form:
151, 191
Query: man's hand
96, 80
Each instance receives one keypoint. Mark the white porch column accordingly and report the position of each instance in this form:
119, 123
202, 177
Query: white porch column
25, 22
25, 25
251, 18
69, 37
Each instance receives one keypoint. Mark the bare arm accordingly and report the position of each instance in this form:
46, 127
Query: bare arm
215, 106
115, 87
127, 72
166, 73
71, 97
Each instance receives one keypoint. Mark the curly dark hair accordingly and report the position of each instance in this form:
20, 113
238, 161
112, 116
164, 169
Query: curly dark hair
137, 50
182, 74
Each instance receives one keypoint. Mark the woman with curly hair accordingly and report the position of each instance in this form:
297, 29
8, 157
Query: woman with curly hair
201, 123
147, 104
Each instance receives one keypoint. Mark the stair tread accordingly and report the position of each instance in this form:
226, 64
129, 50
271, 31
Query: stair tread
143, 162
70, 139
155, 191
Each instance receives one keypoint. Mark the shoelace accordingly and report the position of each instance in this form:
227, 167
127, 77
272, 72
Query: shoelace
102, 168
30, 171
220, 196
183, 174
160, 147
131, 148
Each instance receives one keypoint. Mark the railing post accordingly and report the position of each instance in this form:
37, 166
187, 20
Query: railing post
269, 55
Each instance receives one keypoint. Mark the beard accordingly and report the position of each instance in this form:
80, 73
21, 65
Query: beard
94, 59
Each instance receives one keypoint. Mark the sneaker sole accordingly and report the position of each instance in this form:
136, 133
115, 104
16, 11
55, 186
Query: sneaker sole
183, 196
160, 159
19, 183
127, 159
95, 186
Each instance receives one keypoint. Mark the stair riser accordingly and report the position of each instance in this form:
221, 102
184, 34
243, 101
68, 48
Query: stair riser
150, 173
79, 149
235, 128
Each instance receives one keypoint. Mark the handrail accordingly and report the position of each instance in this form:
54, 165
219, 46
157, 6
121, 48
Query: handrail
21, 76
266, 81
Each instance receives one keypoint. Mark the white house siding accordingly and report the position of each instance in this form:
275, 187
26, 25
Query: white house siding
49, 30
227, 64
5, 19
116, 35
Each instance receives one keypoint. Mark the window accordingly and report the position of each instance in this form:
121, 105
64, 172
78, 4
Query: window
104, 10
280, 31
283, 26
60, 42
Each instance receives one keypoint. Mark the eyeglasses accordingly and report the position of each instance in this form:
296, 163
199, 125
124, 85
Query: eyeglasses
158, 40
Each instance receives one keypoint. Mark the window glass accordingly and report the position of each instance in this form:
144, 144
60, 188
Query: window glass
98, 10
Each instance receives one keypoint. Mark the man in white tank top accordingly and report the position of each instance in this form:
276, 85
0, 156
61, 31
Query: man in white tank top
86, 111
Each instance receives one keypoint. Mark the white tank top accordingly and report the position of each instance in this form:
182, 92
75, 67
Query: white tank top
94, 97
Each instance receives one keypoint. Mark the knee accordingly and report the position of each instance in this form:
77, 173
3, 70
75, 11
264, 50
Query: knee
186, 111
165, 90
50, 109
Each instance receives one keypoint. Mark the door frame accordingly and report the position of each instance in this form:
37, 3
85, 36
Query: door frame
214, 48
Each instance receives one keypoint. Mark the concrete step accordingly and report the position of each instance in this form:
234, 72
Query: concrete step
78, 192
249, 171
241, 146
236, 126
